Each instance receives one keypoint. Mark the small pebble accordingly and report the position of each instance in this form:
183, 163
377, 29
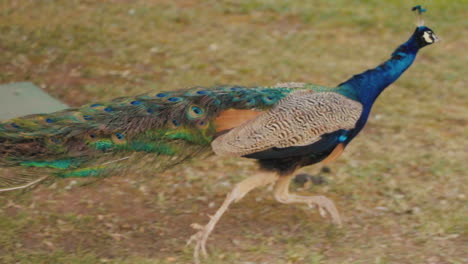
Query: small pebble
302, 178
318, 179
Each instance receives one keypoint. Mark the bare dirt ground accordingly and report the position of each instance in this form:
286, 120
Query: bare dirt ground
400, 186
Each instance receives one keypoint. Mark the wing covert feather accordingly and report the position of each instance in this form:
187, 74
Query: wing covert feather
297, 120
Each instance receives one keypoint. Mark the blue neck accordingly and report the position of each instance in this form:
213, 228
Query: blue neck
369, 84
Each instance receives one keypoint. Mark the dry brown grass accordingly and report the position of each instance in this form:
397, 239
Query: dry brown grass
401, 185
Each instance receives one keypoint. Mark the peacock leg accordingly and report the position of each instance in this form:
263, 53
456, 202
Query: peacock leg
239, 191
325, 205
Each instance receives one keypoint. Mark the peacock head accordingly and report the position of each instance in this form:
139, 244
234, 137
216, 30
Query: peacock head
425, 36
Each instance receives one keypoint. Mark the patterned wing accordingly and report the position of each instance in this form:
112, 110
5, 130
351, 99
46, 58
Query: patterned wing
298, 120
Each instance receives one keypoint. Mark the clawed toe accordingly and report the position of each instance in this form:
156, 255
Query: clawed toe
200, 239
326, 206
322, 212
194, 236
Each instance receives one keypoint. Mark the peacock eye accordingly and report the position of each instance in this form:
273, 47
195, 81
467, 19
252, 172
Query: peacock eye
197, 110
202, 124
176, 122
14, 125
174, 99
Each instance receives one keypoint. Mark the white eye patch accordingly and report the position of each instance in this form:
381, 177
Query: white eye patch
427, 37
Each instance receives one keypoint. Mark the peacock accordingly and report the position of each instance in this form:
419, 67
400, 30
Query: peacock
284, 127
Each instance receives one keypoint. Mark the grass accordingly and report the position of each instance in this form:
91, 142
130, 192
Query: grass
401, 185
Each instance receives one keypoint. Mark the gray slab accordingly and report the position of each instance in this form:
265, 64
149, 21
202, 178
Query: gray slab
24, 98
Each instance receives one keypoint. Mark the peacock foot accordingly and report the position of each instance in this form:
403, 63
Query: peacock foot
239, 191
325, 205
200, 239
